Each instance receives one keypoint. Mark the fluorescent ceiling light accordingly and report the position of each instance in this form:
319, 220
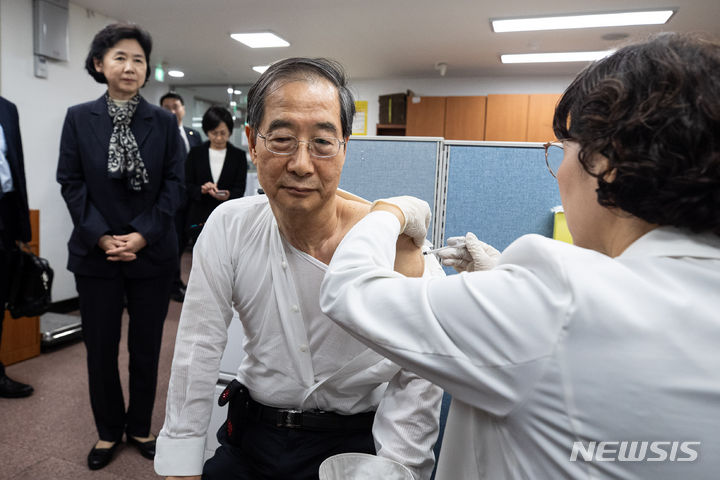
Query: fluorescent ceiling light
176, 73
656, 17
260, 40
230, 90
237, 92
555, 57
261, 68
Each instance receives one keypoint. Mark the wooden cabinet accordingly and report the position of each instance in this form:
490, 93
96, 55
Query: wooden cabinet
541, 109
453, 118
503, 118
507, 118
425, 117
520, 118
465, 118
21, 336
390, 129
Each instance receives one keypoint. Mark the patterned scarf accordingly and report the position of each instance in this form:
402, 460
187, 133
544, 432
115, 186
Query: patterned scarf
124, 159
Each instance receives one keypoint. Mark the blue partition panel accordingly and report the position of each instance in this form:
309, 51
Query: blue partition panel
386, 168
499, 193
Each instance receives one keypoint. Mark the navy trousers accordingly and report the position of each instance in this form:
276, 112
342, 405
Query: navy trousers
101, 307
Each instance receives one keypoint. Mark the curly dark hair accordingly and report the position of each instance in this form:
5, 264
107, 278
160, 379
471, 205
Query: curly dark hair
653, 110
106, 38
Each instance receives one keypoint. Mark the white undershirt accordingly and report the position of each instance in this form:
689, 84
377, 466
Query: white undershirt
217, 159
308, 271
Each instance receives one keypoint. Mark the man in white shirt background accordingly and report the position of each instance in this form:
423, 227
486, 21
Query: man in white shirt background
309, 390
174, 103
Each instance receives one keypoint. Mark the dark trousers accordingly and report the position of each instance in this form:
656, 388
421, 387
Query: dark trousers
4, 281
101, 308
9, 207
273, 453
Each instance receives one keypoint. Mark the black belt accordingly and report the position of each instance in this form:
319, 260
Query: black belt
311, 419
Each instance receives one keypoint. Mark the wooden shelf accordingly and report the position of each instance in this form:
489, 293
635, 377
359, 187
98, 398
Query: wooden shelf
391, 129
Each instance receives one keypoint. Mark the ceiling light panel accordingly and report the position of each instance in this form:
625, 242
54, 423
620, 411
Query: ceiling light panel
555, 57
260, 40
654, 17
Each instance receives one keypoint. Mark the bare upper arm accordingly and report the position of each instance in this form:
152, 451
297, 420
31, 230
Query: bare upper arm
409, 259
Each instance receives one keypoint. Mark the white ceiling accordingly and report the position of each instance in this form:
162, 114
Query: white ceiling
378, 38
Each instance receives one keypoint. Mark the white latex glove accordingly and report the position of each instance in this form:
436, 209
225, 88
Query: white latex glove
471, 257
416, 213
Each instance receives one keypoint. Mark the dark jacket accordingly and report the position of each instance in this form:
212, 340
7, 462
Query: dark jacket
193, 136
197, 172
101, 205
11, 129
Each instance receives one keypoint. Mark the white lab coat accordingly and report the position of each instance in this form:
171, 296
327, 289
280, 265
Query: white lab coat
556, 345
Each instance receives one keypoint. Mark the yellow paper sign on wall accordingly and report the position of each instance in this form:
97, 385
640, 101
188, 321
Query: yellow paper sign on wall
560, 228
359, 126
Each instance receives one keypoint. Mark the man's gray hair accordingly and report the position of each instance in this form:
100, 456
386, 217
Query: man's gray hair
301, 69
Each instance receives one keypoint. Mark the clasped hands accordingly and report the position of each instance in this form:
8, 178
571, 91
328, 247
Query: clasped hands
211, 189
122, 248
414, 217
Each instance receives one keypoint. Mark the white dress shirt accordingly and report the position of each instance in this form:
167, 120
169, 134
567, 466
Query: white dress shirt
556, 345
183, 135
241, 262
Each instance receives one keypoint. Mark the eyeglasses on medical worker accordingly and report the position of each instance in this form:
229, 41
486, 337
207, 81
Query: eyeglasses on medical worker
319, 147
553, 156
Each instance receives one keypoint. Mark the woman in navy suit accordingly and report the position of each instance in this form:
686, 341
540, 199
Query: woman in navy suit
121, 177
215, 171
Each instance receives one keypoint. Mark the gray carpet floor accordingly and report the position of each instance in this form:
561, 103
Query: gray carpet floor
48, 435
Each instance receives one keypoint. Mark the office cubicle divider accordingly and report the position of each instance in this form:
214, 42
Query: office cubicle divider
499, 191
380, 167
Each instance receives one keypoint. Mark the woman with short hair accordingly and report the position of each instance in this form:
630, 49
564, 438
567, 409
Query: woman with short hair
215, 171
121, 177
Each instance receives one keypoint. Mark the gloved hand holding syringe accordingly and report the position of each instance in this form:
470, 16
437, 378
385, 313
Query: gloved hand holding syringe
467, 254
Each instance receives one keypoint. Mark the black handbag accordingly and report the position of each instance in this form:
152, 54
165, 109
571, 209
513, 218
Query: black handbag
30, 285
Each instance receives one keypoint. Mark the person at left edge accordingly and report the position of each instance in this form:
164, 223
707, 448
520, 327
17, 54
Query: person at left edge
120, 169
173, 102
14, 220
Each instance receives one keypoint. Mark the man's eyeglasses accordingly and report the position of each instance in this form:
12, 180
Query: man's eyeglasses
320, 147
553, 156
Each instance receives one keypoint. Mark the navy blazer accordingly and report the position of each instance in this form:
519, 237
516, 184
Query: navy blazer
233, 177
102, 205
11, 129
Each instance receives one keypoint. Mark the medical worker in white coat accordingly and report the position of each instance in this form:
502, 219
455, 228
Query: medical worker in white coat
595, 360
